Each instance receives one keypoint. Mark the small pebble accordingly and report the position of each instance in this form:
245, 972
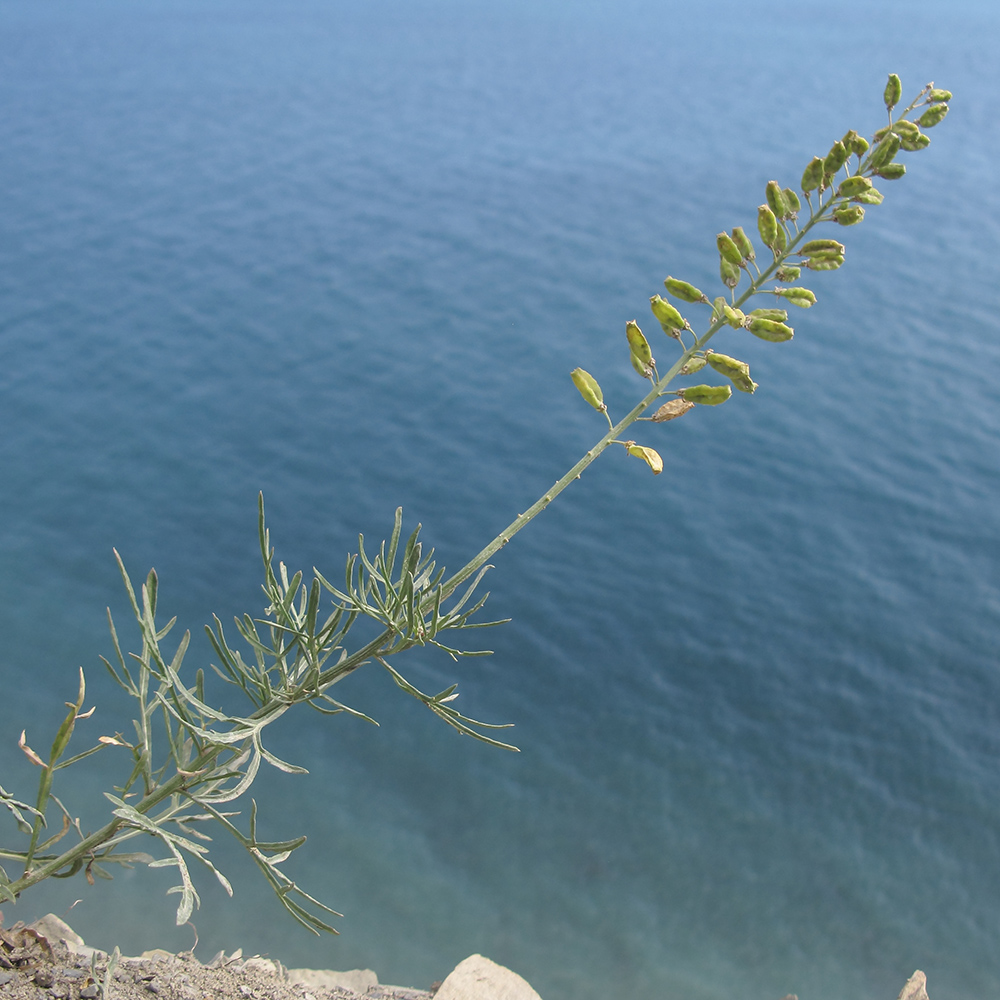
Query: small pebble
90, 992
6, 977
44, 978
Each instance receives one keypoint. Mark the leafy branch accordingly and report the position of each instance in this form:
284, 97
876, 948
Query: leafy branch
203, 759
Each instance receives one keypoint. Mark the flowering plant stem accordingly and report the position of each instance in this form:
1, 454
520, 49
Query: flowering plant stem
209, 758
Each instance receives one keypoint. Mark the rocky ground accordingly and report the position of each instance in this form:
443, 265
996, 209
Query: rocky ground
48, 961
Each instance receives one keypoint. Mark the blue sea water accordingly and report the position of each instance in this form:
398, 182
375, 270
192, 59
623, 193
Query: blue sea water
347, 253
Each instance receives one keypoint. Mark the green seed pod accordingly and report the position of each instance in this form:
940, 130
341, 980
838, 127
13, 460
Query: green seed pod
825, 254
670, 319
706, 395
835, 159
588, 387
738, 372
767, 225
821, 246
672, 410
781, 243
932, 116
734, 317
893, 91
885, 152
776, 315
787, 273
691, 366
728, 249
905, 129
891, 171
793, 203
744, 383
729, 272
684, 291
824, 263
848, 215
812, 177
648, 455
644, 370
719, 309
936, 95
638, 344
855, 143
797, 296
776, 200
743, 243
869, 197
853, 186
769, 329
912, 145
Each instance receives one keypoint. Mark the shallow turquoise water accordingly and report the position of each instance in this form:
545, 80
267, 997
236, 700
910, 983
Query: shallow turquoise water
347, 254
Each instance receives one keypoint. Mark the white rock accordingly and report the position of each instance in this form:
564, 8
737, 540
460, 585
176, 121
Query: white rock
356, 980
915, 988
478, 978
56, 931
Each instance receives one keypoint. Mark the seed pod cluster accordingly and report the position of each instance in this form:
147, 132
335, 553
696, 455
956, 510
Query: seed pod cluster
670, 319
905, 129
823, 255
854, 143
638, 344
821, 246
920, 141
738, 372
728, 249
692, 365
812, 176
769, 329
853, 186
848, 215
648, 455
801, 297
644, 370
729, 272
870, 197
706, 395
831, 263
734, 317
891, 171
778, 315
672, 410
684, 290
885, 152
933, 115
767, 226
743, 243
776, 200
835, 159
589, 388
893, 91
